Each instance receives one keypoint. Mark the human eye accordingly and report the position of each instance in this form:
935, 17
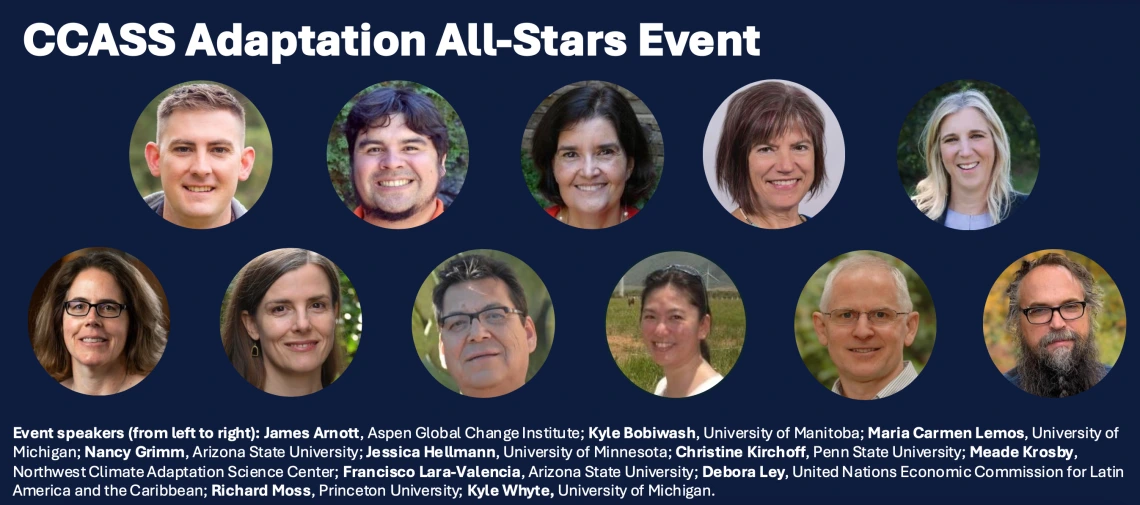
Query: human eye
220, 150
978, 135
279, 310
77, 306
411, 148
495, 315
456, 323
801, 147
950, 139
181, 149
569, 154
764, 149
843, 314
321, 305
1038, 312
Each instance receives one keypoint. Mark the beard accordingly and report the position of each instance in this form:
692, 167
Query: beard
1063, 372
386, 215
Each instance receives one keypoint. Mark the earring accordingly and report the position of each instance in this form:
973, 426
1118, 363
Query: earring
255, 351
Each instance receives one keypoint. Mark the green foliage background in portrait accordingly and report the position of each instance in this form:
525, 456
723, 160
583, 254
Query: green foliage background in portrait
458, 155
256, 136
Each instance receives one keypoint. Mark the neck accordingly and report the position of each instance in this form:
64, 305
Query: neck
866, 390
107, 379
292, 384
968, 202
498, 390
777, 219
420, 217
604, 219
195, 222
682, 378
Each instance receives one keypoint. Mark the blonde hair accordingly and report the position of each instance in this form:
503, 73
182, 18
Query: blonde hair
932, 194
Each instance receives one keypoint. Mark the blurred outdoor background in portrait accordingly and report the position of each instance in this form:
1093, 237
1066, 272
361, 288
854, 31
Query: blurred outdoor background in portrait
644, 116
349, 326
458, 154
1003, 346
623, 318
256, 136
425, 330
815, 355
1025, 152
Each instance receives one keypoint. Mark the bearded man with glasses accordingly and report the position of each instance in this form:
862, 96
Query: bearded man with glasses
865, 318
1053, 304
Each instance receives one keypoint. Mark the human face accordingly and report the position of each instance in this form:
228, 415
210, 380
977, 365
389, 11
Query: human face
486, 360
967, 146
672, 328
396, 171
591, 167
865, 353
295, 323
200, 159
1052, 286
782, 170
95, 341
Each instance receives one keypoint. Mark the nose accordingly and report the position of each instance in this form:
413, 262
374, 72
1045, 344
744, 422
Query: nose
302, 323
784, 162
477, 334
201, 164
391, 159
92, 318
965, 148
1056, 322
592, 167
863, 327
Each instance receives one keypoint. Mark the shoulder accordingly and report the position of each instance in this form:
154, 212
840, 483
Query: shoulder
237, 208
155, 201
739, 214
660, 389
708, 384
553, 210
1013, 376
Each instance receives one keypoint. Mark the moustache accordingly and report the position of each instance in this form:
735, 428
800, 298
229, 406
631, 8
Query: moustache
1057, 336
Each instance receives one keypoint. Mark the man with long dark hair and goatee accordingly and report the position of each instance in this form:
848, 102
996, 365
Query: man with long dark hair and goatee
1053, 305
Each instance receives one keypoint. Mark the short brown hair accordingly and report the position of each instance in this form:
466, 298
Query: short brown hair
760, 114
146, 332
201, 96
250, 286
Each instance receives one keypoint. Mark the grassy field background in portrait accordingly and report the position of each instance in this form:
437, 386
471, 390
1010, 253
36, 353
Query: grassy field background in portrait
458, 155
815, 355
256, 136
1025, 152
623, 319
425, 331
1003, 346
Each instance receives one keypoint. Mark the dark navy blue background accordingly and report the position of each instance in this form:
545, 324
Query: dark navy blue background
1073, 67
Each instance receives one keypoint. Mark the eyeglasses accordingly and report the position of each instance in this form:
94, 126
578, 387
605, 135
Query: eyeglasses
1042, 315
493, 317
877, 317
79, 308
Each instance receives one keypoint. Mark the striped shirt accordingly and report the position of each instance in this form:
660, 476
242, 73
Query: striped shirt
903, 380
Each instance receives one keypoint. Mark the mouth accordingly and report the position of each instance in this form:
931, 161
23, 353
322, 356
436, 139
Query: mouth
966, 167
663, 346
591, 187
481, 355
784, 184
864, 350
93, 340
302, 346
396, 183
199, 189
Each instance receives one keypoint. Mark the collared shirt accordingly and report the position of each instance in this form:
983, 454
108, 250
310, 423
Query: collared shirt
359, 211
907, 376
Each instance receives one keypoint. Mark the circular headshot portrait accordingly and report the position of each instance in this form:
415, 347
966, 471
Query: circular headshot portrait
865, 325
1054, 323
592, 154
675, 324
397, 154
483, 323
98, 321
291, 322
773, 154
968, 155
200, 154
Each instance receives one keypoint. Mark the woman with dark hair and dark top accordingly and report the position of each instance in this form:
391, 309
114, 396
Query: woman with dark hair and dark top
771, 154
593, 158
100, 328
675, 321
280, 322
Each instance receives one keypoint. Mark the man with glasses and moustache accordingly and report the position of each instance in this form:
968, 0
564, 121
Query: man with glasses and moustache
1053, 305
865, 319
485, 334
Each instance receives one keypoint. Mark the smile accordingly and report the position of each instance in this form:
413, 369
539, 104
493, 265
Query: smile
396, 183
199, 189
784, 183
482, 354
663, 345
590, 187
864, 350
92, 340
969, 166
305, 346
